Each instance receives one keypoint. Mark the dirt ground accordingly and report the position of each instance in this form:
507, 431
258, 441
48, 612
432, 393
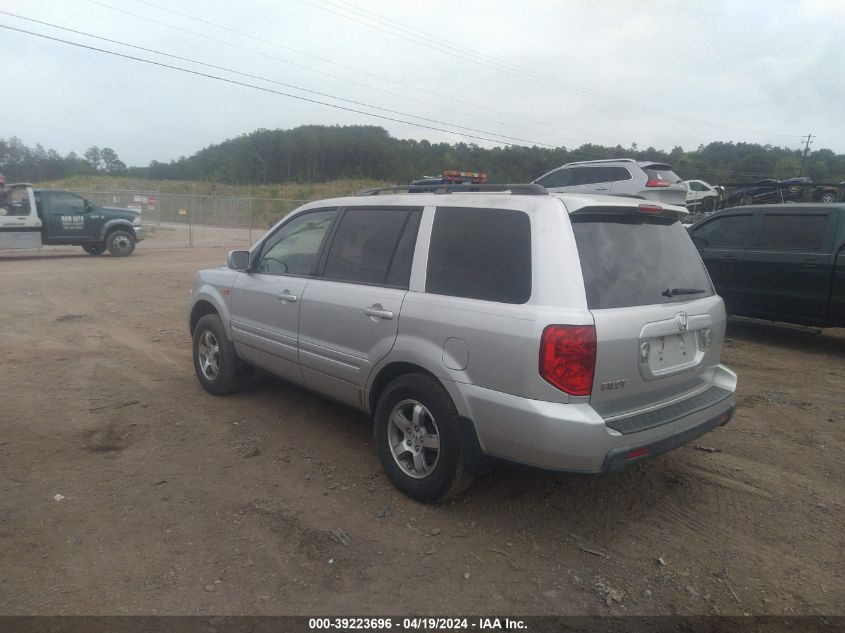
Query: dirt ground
176, 502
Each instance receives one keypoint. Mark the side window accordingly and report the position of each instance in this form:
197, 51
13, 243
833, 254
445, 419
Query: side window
293, 249
560, 178
592, 175
792, 232
579, 176
372, 246
66, 203
618, 174
480, 254
731, 231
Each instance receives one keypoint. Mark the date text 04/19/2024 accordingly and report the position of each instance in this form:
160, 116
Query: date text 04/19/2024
417, 624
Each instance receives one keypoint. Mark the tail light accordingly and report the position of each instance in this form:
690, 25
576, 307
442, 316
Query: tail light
657, 182
568, 357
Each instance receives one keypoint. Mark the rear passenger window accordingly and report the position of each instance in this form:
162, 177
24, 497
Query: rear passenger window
480, 254
731, 231
372, 246
792, 232
590, 175
618, 174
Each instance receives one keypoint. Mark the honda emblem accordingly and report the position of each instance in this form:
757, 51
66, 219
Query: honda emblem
681, 319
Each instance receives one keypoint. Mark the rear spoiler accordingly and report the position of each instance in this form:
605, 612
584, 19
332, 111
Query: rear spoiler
649, 209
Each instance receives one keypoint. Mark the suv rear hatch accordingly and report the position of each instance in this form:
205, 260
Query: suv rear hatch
659, 324
665, 182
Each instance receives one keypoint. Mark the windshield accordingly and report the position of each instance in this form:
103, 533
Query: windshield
632, 260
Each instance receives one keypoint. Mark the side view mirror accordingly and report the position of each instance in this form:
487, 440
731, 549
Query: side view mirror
238, 260
88, 206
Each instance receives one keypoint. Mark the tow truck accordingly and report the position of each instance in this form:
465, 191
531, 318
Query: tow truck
31, 218
449, 177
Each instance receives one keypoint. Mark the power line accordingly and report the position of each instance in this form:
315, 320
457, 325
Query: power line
273, 81
694, 164
476, 106
489, 61
244, 84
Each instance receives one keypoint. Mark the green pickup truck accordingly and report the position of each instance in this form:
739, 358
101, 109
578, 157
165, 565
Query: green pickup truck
780, 262
30, 218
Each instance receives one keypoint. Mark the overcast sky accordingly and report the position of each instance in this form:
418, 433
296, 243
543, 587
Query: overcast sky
555, 73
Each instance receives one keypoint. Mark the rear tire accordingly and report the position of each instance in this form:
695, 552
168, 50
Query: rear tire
746, 200
94, 249
828, 197
216, 363
418, 439
120, 243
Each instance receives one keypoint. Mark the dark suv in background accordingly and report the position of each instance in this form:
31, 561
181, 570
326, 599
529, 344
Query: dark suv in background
778, 262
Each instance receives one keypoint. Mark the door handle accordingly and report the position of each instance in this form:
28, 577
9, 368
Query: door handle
729, 258
377, 312
601, 188
287, 297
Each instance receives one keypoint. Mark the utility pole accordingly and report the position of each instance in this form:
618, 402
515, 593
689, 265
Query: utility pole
809, 138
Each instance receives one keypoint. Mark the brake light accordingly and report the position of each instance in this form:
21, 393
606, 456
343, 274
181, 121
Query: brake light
650, 208
568, 357
657, 182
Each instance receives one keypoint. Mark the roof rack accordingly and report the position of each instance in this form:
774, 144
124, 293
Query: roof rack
516, 189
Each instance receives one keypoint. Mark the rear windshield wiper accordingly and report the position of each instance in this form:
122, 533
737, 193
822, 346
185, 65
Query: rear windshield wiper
674, 292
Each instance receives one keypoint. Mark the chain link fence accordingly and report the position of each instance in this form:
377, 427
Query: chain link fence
188, 220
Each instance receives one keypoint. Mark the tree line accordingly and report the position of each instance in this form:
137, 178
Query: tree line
316, 153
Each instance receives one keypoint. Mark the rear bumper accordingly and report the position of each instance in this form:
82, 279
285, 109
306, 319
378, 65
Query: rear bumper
574, 438
621, 456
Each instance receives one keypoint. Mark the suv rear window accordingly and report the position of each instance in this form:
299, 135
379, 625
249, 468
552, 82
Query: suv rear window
633, 260
480, 254
662, 172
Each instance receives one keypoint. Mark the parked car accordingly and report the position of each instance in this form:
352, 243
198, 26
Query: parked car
574, 333
618, 177
701, 197
770, 190
782, 263
827, 193
30, 218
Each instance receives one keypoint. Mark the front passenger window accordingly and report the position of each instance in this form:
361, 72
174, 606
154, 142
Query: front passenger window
293, 249
732, 231
559, 178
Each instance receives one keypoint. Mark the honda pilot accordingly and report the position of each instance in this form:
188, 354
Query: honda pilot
575, 333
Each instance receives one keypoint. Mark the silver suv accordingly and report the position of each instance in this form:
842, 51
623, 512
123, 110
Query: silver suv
575, 333
618, 177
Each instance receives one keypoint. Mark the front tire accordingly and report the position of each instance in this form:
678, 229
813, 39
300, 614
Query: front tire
418, 439
746, 200
120, 243
828, 197
216, 363
94, 249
